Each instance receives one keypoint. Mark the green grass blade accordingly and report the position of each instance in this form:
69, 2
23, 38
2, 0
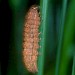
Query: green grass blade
67, 39
64, 5
43, 13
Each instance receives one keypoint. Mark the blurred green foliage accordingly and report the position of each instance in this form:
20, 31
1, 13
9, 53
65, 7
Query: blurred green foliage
56, 54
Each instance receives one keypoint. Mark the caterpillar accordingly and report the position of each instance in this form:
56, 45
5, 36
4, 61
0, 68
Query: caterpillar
31, 39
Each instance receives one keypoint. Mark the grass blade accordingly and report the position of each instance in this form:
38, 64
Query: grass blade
43, 13
64, 5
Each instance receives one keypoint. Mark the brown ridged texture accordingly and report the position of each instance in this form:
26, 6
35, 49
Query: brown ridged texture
31, 39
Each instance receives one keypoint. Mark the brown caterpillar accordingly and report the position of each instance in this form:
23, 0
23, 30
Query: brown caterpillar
31, 39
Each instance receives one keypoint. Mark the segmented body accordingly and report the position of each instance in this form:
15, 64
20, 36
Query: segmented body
31, 39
